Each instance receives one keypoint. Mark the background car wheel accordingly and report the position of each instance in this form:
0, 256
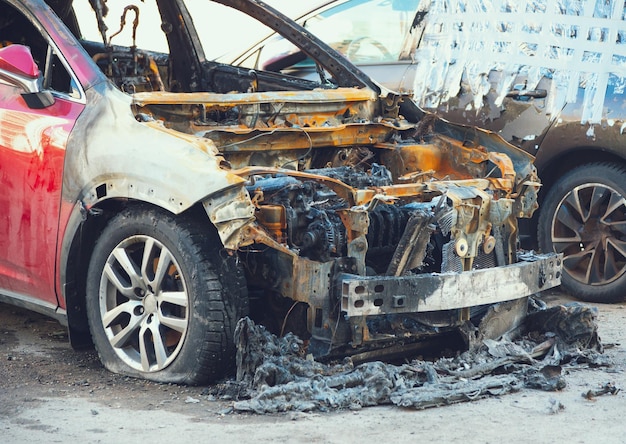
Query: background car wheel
162, 302
584, 217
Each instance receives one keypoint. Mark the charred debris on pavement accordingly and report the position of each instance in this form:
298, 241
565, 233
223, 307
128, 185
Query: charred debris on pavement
274, 375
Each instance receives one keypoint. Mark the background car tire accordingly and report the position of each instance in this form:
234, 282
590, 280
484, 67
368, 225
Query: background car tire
584, 217
163, 299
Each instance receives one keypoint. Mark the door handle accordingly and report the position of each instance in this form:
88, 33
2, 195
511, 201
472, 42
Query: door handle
526, 95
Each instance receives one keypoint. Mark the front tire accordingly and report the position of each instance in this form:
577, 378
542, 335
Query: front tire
163, 299
584, 217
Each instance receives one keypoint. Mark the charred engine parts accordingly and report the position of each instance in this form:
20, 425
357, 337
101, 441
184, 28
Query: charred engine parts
304, 214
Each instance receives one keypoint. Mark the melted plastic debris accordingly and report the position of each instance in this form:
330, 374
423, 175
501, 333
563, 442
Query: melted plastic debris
607, 389
577, 44
274, 376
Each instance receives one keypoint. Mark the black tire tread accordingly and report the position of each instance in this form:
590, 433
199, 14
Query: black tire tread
225, 299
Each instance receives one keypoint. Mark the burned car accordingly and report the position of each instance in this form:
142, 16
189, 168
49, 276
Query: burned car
155, 198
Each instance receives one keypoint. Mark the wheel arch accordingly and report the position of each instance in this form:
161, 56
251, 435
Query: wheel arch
555, 167
84, 229
552, 168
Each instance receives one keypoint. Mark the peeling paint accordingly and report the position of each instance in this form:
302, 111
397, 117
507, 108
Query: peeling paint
577, 44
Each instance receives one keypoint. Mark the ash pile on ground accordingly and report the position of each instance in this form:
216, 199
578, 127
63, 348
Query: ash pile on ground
273, 376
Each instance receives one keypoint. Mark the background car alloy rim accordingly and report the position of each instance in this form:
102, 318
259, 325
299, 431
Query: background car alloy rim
144, 303
589, 228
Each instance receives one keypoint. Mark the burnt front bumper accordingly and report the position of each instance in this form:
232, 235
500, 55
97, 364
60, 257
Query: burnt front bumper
363, 296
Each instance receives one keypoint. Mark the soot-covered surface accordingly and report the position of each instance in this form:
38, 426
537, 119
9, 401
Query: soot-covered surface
274, 376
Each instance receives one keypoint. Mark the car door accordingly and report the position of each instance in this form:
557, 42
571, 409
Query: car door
33, 136
522, 115
491, 68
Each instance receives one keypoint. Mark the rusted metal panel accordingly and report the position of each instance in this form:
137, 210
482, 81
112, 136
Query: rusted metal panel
322, 96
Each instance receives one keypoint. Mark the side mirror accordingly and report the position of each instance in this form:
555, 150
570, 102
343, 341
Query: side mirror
18, 68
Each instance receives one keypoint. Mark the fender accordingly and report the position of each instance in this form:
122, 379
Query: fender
111, 155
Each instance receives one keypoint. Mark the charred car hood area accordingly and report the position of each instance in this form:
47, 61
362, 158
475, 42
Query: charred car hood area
339, 183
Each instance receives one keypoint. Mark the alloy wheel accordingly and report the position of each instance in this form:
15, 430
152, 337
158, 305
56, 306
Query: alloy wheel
144, 303
589, 228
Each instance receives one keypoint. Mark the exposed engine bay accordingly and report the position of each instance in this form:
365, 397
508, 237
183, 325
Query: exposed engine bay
362, 223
